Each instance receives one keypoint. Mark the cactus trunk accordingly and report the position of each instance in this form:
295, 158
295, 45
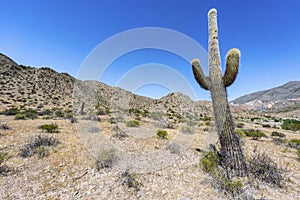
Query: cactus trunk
231, 152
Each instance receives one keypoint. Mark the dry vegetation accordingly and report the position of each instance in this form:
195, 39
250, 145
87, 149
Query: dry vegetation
69, 170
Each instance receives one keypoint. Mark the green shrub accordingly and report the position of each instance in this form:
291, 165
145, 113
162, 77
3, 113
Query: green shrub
106, 158
240, 132
45, 112
132, 123
69, 115
298, 153
294, 143
59, 113
41, 151
3, 168
255, 134
278, 134
206, 118
49, 128
11, 111
209, 162
162, 134
3, 156
207, 123
291, 124
19, 116
30, 114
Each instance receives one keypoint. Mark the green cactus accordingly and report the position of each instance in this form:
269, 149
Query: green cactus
232, 156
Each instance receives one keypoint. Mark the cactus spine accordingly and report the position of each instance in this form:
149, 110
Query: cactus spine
232, 156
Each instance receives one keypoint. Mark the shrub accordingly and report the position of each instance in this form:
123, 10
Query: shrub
3, 157
156, 116
278, 134
11, 111
19, 116
120, 135
187, 130
30, 114
298, 154
45, 112
210, 162
232, 188
41, 151
265, 169
3, 168
4, 127
59, 113
291, 124
174, 148
279, 141
30, 148
49, 128
240, 132
208, 123
102, 111
106, 158
255, 134
162, 134
112, 120
129, 179
240, 125
115, 128
94, 130
266, 125
73, 120
69, 115
132, 123
294, 143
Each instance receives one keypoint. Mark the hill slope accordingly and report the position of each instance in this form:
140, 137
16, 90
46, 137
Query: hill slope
44, 88
283, 100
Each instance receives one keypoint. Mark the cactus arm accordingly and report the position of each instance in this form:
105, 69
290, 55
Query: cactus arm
199, 74
232, 66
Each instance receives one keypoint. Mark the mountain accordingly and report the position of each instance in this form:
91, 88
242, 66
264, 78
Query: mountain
43, 88
282, 99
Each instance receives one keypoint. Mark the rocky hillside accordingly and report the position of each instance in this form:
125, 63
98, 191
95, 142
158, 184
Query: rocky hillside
33, 88
283, 100
43, 88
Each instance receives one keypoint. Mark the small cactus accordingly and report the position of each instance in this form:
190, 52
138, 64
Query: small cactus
232, 157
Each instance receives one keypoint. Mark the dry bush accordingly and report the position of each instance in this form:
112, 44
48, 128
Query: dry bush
34, 146
106, 158
129, 179
262, 167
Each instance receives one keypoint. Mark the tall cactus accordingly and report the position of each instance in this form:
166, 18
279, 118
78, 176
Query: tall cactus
232, 156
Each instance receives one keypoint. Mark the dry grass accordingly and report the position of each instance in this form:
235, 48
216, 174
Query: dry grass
69, 170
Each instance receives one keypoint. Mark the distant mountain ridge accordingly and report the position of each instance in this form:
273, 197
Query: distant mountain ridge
288, 91
283, 99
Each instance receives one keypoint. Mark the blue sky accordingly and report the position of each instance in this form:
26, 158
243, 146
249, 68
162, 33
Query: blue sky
61, 34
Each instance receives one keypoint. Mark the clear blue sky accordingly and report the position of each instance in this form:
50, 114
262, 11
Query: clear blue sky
61, 33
